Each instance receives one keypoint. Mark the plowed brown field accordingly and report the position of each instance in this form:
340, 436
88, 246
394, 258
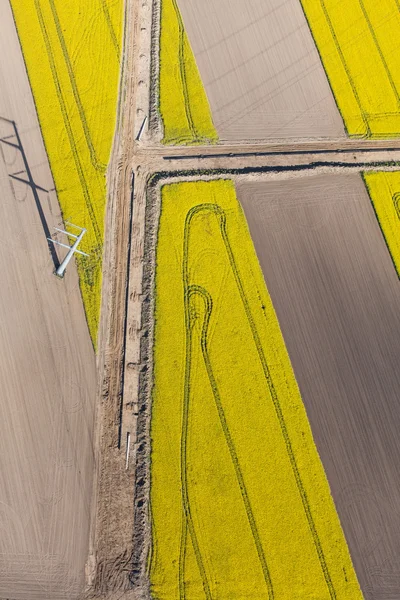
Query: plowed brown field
337, 297
261, 69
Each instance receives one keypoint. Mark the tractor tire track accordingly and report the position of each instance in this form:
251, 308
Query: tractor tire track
345, 66
380, 52
68, 126
221, 216
97, 164
182, 70
107, 17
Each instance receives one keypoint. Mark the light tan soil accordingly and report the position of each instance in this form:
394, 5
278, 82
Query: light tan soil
47, 367
337, 298
112, 561
261, 69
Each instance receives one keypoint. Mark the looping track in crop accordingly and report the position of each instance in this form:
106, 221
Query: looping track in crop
189, 292
396, 203
240, 505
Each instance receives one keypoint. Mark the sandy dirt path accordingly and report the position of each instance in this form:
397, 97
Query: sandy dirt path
47, 367
114, 569
261, 69
337, 298
263, 157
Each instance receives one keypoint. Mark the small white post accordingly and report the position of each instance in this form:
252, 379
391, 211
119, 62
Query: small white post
61, 269
72, 249
128, 446
139, 135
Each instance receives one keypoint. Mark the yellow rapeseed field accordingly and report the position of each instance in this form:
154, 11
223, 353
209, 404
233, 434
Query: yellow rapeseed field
184, 106
384, 190
240, 505
72, 54
358, 44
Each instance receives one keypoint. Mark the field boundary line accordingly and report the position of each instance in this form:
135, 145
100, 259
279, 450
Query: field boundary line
396, 202
278, 409
221, 216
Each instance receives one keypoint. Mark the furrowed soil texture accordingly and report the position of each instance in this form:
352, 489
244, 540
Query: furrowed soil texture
384, 191
240, 505
337, 298
184, 106
358, 44
72, 54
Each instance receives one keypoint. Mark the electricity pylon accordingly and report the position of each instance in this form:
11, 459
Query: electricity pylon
72, 249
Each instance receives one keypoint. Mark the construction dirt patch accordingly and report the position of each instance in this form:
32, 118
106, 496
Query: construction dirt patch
336, 294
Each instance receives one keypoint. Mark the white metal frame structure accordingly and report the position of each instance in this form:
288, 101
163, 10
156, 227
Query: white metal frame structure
60, 271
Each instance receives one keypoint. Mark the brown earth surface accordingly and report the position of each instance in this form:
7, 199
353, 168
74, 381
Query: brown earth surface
261, 69
337, 297
47, 366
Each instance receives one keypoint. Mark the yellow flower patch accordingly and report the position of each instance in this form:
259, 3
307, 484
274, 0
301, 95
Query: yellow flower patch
384, 191
184, 105
358, 44
240, 504
72, 54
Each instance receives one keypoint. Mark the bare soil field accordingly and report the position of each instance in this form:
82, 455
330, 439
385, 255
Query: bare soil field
47, 366
337, 295
261, 70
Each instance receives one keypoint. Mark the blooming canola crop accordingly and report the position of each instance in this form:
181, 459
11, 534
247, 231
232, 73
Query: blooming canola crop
72, 53
358, 44
384, 191
240, 504
183, 102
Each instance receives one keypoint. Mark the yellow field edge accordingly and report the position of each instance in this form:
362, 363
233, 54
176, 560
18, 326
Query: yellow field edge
384, 192
184, 106
72, 54
240, 505
357, 45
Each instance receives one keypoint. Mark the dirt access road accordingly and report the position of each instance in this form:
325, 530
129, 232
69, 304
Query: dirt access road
47, 367
368, 155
